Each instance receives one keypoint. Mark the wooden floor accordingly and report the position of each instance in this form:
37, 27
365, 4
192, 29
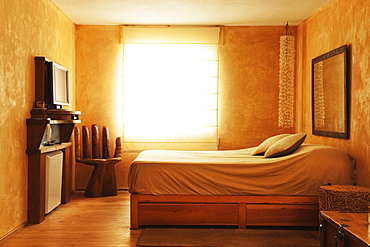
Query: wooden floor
84, 221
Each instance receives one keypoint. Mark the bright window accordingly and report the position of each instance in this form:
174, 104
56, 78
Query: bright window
170, 88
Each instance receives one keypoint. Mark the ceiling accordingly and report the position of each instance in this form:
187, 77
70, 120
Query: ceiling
189, 12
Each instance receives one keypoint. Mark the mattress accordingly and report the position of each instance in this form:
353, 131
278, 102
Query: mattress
237, 172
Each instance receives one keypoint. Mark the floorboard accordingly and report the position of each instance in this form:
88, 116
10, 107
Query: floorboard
85, 221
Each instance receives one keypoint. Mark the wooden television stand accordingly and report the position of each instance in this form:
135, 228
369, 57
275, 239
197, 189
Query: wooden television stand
62, 123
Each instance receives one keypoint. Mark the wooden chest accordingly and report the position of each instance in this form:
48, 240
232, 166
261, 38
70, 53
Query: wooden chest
344, 229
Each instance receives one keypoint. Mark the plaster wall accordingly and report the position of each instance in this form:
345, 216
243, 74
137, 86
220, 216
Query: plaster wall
99, 89
248, 87
336, 24
28, 28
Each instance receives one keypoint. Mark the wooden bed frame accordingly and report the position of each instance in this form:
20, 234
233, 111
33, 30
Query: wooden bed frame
241, 211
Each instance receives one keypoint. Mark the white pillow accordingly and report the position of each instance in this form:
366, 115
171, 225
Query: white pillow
262, 148
285, 145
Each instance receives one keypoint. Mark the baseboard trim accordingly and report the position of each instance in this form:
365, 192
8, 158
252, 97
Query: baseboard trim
15, 230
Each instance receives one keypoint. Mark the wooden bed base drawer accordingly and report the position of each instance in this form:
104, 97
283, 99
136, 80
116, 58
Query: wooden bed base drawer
241, 211
181, 214
287, 215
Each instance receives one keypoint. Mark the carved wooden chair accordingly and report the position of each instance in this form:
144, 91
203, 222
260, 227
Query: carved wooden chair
103, 179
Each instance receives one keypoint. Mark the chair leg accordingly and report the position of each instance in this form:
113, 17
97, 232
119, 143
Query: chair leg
94, 187
110, 184
102, 181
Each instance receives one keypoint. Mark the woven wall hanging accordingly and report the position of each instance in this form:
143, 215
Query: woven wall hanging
286, 79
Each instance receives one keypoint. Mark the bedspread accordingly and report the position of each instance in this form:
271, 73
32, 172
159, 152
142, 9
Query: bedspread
237, 172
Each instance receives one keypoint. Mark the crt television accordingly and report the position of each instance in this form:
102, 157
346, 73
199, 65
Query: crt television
57, 86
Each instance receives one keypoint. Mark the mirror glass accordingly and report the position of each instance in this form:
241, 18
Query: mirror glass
329, 94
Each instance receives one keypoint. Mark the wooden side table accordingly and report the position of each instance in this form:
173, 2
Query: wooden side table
344, 229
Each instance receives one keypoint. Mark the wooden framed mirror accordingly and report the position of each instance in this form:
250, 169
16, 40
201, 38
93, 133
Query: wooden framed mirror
330, 87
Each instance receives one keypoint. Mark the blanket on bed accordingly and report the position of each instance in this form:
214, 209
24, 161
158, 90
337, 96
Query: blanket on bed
237, 172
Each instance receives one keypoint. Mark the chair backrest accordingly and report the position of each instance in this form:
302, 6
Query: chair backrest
93, 151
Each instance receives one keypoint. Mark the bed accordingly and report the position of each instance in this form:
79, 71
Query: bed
234, 188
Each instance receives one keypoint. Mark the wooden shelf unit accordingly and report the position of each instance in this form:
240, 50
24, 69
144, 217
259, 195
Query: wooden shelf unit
62, 123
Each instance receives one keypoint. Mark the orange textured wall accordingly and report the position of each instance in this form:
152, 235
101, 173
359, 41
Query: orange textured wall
99, 88
248, 87
28, 28
249, 58
338, 23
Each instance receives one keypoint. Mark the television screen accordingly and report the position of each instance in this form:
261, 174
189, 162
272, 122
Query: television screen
60, 85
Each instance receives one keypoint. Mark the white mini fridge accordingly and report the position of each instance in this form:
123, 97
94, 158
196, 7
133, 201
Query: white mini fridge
53, 188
